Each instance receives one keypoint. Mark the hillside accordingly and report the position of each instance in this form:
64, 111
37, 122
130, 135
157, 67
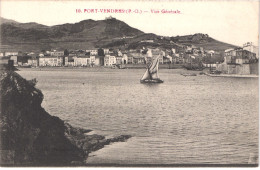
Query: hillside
202, 40
4, 21
92, 34
197, 40
84, 34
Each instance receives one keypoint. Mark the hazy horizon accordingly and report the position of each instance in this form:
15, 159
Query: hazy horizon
233, 22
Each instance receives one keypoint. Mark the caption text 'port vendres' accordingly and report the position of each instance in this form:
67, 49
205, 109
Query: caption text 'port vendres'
128, 11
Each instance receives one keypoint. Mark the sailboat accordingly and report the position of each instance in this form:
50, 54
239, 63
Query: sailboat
151, 73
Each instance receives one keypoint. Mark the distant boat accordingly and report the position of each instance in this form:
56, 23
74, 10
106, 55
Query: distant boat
151, 74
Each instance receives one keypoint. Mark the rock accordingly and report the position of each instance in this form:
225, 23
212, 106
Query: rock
121, 138
28, 131
32, 137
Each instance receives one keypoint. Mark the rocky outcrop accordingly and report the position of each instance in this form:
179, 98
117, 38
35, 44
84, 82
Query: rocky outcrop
32, 137
89, 143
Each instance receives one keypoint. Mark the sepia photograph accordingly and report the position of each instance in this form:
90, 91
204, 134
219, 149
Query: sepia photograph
129, 83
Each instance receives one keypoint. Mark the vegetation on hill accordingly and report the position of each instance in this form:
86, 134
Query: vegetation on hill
94, 34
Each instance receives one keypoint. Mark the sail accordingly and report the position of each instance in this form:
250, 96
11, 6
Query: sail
146, 75
153, 68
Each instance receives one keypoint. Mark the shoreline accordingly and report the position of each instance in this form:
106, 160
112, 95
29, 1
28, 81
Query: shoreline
130, 66
233, 75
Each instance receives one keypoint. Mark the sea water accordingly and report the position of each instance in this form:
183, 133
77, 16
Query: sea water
185, 120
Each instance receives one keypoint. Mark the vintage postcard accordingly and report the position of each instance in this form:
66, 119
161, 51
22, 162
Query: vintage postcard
129, 83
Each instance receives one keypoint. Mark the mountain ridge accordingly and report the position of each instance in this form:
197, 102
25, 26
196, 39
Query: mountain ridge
92, 34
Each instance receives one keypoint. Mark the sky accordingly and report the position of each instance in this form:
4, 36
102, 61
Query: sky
234, 22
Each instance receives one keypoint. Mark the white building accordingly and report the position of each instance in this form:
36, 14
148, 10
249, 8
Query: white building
11, 53
33, 62
252, 48
97, 60
109, 60
14, 58
81, 61
92, 59
50, 61
125, 59
106, 51
93, 51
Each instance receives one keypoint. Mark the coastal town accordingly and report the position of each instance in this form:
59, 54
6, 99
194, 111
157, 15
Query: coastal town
129, 84
240, 60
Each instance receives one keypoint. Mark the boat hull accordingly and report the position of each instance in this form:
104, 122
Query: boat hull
151, 81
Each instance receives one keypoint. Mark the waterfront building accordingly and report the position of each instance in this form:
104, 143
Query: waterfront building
92, 60
125, 59
137, 58
238, 61
119, 59
129, 59
23, 58
244, 56
14, 58
158, 53
109, 60
239, 56
249, 46
69, 61
75, 61
50, 61
81, 60
34, 62
230, 55
99, 60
